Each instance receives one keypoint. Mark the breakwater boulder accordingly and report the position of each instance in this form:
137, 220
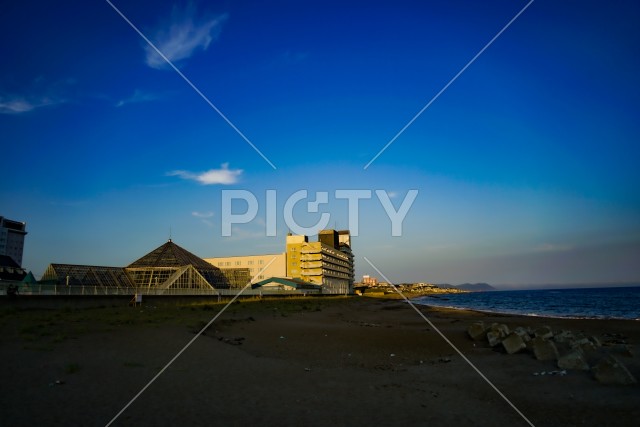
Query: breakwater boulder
611, 371
571, 351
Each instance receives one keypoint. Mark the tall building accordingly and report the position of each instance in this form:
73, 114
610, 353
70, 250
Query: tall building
327, 262
12, 239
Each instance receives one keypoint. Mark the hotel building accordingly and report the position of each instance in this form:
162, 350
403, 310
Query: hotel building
327, 262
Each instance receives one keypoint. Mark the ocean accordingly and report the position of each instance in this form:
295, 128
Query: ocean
599, 303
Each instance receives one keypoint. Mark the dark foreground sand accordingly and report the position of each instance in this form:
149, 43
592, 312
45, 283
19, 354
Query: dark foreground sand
312, 362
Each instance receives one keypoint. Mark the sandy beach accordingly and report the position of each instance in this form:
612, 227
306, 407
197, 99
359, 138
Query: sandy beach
348, 361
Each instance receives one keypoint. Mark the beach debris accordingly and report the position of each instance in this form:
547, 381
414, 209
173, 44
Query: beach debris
573, 360
307, 369
56, 382
611, 371
477, 331
392, 355
561, 373
232, 341
281, 337
513, 343
444, 360
370, 325
544, 349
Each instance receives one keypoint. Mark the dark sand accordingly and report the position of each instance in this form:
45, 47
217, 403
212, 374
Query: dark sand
314, 362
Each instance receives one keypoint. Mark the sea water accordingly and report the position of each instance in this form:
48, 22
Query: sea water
602, 303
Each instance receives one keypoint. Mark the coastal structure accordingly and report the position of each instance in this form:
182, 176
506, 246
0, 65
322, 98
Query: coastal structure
12, 235
328, 262
250, 267
369, 281
324, 266
169, 268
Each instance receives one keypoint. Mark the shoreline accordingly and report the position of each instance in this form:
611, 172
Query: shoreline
313, 361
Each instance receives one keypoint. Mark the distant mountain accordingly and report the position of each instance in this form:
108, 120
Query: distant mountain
476, 287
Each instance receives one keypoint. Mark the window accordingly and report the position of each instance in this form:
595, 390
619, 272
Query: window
228, 263
261, 262
238, 262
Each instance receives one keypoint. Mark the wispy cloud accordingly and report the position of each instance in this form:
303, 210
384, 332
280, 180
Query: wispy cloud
204, 217
183, 36
40, 94
16, 104
202, 214
224, 175
137, 97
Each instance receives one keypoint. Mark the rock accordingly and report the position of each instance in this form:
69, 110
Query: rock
584, 344
573, 360
564, 336
513, 343
543, 332
544, 349
596, 342
611, 371
494, 338
477, 331
500, 328
522, 333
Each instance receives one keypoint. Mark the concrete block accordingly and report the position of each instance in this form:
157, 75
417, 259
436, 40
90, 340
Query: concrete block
544, 332
573, 360
477, 331
522, 333
513, 343
494, 338
544, 349
611, 371
564, 336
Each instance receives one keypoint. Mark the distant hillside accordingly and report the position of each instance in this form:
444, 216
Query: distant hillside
476, 287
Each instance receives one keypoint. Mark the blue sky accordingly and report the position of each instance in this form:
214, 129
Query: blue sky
526, 166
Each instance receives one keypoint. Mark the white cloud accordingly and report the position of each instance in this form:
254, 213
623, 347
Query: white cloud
224, 175
202, 214
185, 35
40, 93
137, 97
17, 104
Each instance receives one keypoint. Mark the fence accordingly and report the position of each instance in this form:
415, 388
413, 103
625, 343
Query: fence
54, 289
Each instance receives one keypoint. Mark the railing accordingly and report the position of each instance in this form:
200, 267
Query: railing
52, 289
